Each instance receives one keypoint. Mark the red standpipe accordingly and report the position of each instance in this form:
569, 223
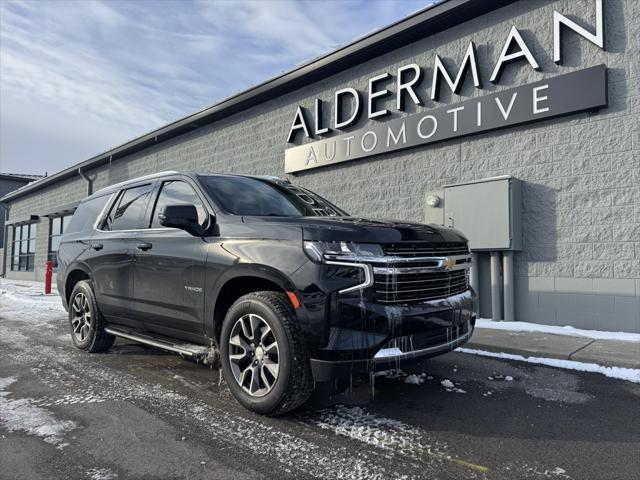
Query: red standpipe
48, 275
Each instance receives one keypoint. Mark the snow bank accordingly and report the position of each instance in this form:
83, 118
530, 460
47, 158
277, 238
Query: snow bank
25, 302
556, 330
628, 374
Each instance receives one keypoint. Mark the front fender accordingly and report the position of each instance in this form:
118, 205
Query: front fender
264, 272
252, 270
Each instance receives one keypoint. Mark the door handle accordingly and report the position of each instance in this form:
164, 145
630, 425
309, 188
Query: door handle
144, 246
97, 246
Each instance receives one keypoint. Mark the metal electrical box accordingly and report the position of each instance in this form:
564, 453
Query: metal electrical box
487, 211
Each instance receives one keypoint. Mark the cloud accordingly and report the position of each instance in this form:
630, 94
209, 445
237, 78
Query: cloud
79, 77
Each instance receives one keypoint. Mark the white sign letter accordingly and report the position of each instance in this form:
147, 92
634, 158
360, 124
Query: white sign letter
559, 19
373, 95
338, 107
506, 113
333, 154
433, 130
319, 130
537, 100
469, 61
401, 133
408, 86
455, 117
299, 122
373, 145
348, 140
311, 157
514, 35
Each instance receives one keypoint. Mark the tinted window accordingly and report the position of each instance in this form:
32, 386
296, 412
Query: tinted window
252, 196
86, 215
178, 193
128, 212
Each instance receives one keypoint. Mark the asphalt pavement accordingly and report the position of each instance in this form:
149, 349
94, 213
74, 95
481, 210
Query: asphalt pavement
139, 413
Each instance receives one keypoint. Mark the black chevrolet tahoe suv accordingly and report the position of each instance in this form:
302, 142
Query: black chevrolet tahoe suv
281, 288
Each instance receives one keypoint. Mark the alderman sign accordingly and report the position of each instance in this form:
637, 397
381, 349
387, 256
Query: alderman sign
573, 92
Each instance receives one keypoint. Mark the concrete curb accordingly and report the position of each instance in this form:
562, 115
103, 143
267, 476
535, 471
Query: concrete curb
608, 353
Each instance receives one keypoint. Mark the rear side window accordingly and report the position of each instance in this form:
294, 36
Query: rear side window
178, 193
128, 213
86, 215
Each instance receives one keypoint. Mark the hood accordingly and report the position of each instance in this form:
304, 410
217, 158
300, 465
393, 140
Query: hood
362, 230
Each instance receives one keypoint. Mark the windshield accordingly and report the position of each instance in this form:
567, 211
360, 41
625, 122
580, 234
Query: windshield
256, 197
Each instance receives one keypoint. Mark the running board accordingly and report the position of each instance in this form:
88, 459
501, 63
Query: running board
209, 355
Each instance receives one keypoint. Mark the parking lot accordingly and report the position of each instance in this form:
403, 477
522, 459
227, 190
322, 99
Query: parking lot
136, 412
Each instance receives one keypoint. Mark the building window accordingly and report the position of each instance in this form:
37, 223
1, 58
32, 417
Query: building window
23, 250
57, 226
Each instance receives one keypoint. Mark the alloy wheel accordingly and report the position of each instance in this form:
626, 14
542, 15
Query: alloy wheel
81, 317
254, 355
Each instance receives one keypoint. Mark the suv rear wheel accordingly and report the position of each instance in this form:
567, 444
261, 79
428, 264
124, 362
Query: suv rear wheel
264, 359
85, 320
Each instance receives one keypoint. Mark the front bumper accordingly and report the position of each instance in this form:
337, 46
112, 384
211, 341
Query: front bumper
366, 336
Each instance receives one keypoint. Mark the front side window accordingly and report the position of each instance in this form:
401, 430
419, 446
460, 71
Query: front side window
176, 192
129, 210
57, 226
256, 197
23, 248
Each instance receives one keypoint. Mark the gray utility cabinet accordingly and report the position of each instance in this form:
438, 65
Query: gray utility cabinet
487, 211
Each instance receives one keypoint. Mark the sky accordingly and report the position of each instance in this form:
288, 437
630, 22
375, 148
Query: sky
82, 76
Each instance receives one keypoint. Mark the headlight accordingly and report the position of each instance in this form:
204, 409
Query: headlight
341, 251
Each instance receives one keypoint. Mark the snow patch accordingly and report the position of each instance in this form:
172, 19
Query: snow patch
628, 374
414, 379
388, 352
556, 330
22, 415
101, 474
392, 374
450, 387
447, 383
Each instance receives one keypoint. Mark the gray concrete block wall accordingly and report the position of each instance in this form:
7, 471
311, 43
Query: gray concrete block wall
580, 173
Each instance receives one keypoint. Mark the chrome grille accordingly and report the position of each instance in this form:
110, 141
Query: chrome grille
413, 287
424, 249
404, 285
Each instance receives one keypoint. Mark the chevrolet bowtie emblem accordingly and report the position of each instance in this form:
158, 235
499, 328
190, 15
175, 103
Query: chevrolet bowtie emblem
449, 263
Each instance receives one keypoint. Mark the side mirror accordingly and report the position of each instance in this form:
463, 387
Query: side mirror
184, 217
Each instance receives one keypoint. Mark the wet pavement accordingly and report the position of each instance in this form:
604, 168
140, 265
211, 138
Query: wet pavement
136, 412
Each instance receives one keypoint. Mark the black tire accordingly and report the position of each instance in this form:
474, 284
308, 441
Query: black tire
294, 382
94, 338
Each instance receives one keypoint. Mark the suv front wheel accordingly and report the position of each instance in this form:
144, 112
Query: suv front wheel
86, 321
264, 359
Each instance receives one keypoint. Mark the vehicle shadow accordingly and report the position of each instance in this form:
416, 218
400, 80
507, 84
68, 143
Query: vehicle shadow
126, 347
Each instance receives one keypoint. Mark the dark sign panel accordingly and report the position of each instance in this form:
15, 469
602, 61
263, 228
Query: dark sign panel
573, 92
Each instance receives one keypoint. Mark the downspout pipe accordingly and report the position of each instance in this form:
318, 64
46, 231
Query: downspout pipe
5, 244
508, 287
89, 181
496, 287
